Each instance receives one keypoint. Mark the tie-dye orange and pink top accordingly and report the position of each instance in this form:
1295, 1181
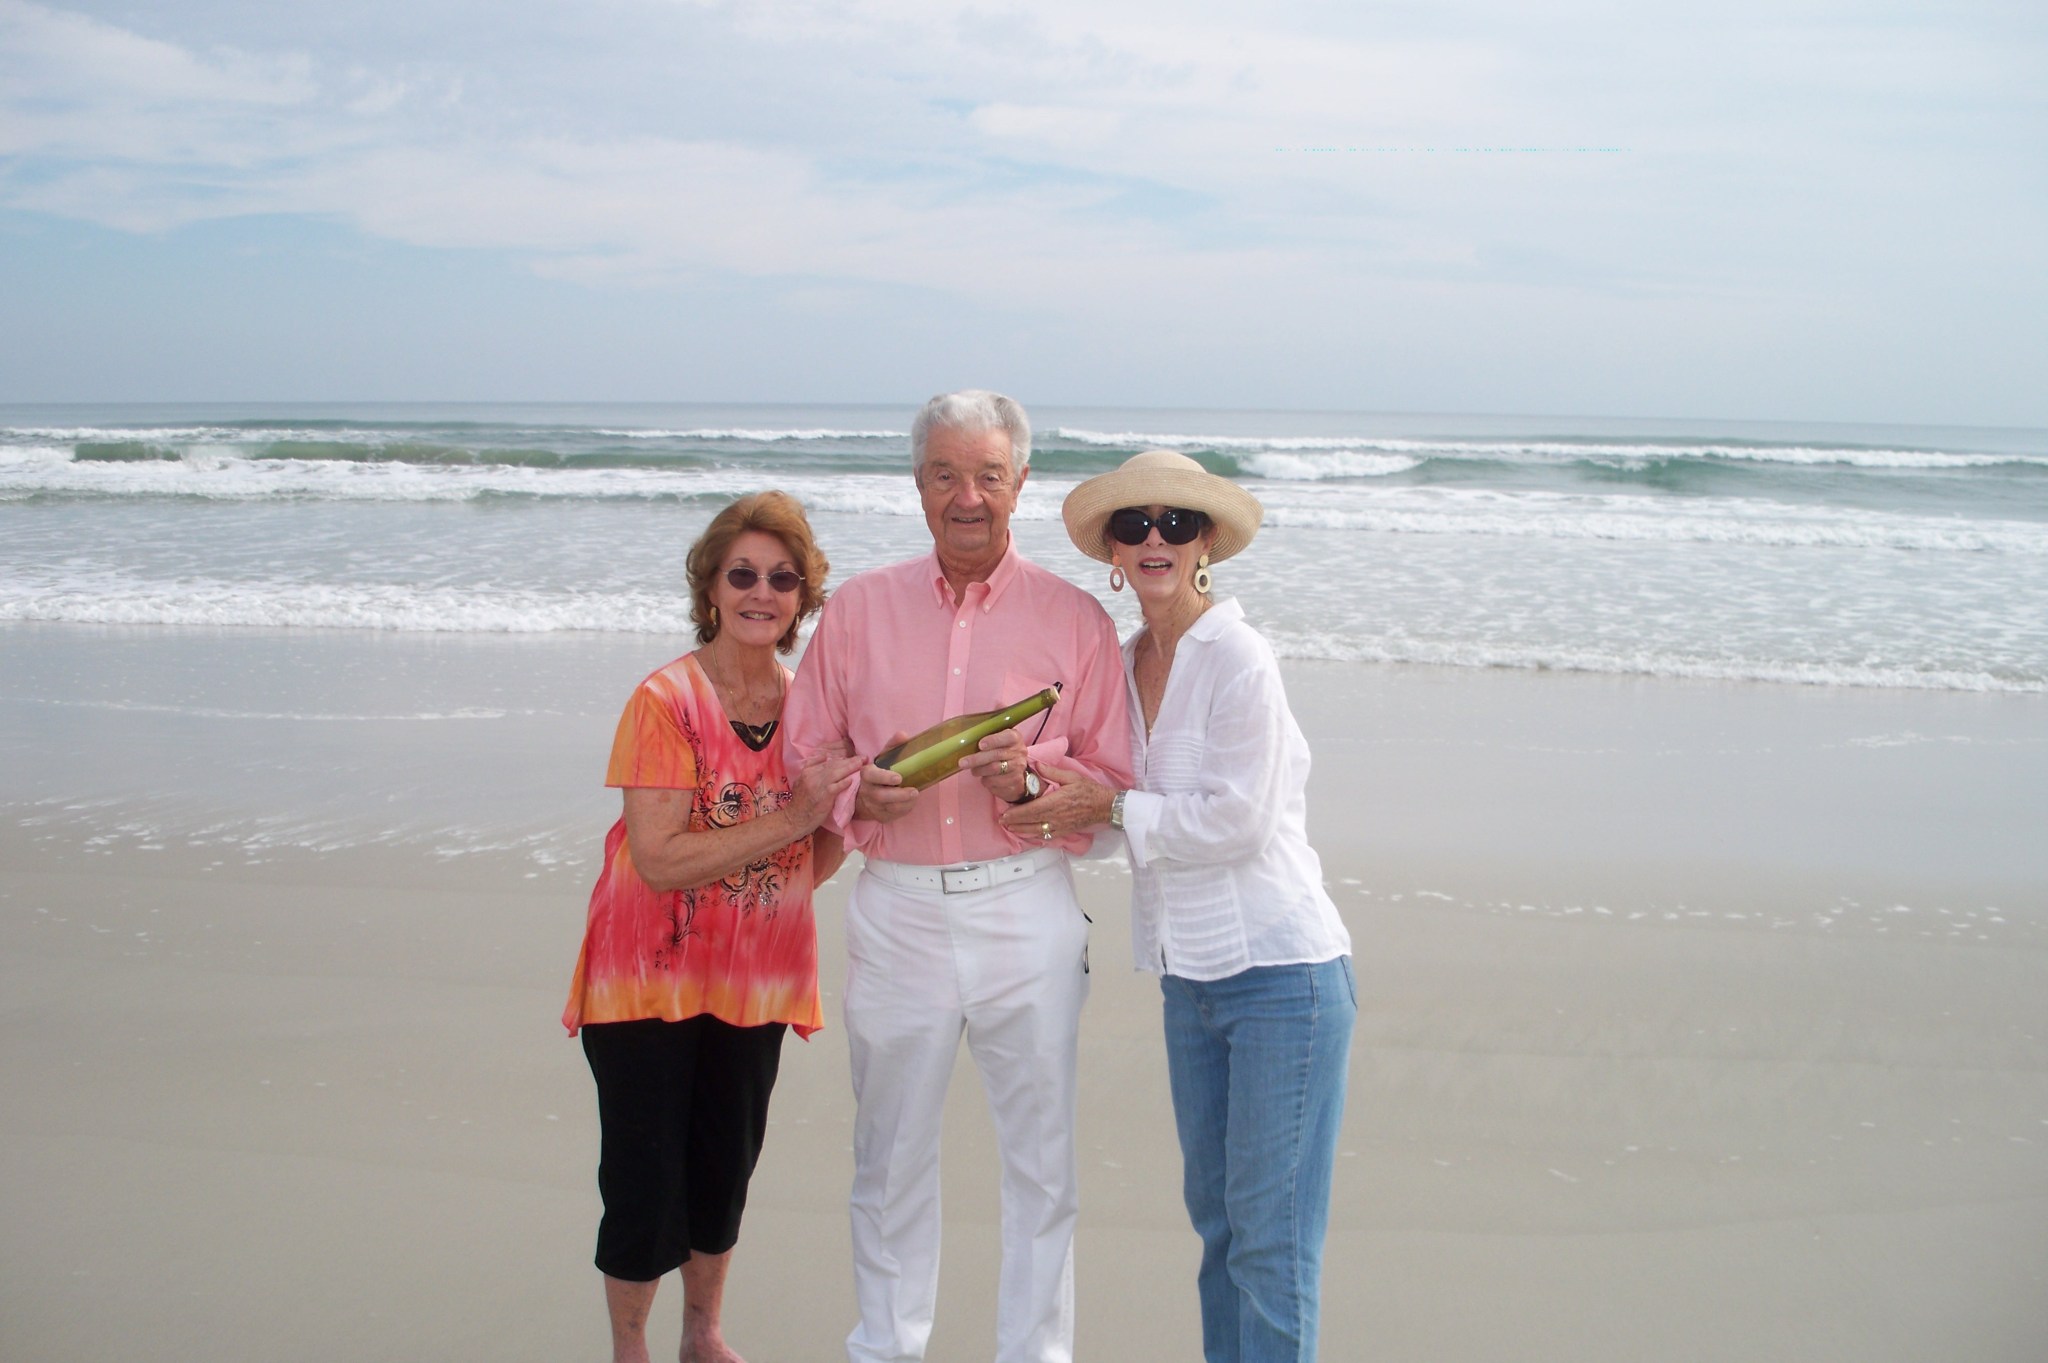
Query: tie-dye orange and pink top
743, 949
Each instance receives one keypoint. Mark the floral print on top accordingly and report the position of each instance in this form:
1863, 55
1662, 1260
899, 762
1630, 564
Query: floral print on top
743, 949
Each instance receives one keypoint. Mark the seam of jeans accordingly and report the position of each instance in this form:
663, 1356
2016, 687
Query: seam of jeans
1308, 1065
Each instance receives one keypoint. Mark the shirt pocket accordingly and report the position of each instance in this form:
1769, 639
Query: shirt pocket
1044, 733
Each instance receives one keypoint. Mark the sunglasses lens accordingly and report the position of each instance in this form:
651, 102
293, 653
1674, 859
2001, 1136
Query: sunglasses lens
783, 580
1129, 526
1176, 525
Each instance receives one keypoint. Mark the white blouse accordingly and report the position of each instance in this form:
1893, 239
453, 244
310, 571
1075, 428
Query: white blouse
1223, 878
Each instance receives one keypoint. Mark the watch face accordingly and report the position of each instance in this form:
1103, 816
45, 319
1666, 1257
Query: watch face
1033, 787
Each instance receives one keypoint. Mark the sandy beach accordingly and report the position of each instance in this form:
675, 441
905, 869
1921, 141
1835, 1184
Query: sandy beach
1699, 1021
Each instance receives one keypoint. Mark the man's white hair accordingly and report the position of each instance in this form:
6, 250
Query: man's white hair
973, 410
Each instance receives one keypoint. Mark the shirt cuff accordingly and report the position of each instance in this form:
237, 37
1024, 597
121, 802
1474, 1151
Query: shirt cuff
1142, 811
1052, 750
855, 833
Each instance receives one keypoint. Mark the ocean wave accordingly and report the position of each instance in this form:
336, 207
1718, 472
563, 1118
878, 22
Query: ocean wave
1307, 504
372, 432
1287, 466
221, 475
431, 444
766, 436
1327, 647
1142, 440
1546, 451
217, 462
156, 434
1564, 516
482, 442
352, 607
324, 451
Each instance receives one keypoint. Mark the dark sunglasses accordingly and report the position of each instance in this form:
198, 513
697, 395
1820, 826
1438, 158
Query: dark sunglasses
783, 580
1176, 525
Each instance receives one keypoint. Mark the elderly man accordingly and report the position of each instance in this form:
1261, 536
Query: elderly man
955, 926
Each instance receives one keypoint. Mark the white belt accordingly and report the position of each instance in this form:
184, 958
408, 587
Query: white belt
974, 875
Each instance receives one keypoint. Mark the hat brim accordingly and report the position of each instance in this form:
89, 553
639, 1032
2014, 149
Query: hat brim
1161, 478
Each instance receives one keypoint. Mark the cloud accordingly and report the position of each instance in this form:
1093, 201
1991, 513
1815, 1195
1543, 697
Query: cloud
55, 55
137, 134
1194, 168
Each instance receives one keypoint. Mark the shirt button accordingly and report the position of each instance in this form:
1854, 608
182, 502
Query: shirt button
956, 671
949, 819
963, 624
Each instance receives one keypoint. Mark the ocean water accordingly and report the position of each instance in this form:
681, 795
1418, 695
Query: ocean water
1827, 556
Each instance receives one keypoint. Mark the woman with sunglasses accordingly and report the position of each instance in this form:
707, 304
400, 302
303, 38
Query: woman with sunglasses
1227, 901
699, 951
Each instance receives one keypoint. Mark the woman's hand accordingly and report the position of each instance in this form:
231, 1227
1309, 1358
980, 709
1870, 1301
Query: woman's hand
1072, 802
819, 783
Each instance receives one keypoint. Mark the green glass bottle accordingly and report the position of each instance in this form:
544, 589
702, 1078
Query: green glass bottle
930, 757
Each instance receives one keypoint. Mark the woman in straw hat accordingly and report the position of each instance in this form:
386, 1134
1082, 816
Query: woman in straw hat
1227, 900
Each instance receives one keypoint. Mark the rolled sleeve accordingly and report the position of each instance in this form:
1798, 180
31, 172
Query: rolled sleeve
1098, 737
814, 717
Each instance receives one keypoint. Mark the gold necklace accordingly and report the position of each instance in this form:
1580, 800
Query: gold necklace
737, 701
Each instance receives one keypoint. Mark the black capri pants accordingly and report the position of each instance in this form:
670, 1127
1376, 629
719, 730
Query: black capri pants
682, 1108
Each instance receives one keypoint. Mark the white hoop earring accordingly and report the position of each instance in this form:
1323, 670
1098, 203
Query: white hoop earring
1202, 579
1116, 577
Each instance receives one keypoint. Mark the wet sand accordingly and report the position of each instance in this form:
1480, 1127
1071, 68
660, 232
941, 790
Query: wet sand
1697, 1022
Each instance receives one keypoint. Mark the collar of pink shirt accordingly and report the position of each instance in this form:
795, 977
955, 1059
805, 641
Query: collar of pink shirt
990, 590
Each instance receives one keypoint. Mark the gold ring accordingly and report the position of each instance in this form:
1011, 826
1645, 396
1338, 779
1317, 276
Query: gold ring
1005, 768
1045, 830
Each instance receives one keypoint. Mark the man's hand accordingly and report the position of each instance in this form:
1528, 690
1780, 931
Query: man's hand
883, 797
1000, 765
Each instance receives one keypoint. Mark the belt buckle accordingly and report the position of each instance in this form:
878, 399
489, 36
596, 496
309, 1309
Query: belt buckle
973, 877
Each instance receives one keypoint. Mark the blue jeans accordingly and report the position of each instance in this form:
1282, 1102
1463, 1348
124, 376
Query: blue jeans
1257, 1062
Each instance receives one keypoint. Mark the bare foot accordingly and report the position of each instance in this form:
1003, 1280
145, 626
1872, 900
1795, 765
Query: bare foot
703, 1294
709, 1347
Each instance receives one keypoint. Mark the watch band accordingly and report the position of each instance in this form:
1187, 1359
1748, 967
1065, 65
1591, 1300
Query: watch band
1116, 810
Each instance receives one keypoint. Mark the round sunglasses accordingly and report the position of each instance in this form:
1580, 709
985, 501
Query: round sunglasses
1177, 525
783, 580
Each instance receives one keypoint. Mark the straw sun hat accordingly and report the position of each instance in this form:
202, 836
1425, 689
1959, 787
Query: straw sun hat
1161, 478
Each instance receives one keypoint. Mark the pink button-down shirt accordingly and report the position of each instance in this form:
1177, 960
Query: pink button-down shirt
894, 651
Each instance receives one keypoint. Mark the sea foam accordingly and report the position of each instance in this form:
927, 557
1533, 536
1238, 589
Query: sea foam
370, 606
1348, 647
1250, 451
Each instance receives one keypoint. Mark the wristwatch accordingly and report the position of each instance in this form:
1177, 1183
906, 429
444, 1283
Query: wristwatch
1033, 788
1116, 810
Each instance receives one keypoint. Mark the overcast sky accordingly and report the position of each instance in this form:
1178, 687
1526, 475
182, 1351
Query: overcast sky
1747, 208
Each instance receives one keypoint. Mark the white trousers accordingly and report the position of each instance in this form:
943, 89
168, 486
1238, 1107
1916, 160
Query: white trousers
1007, 967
